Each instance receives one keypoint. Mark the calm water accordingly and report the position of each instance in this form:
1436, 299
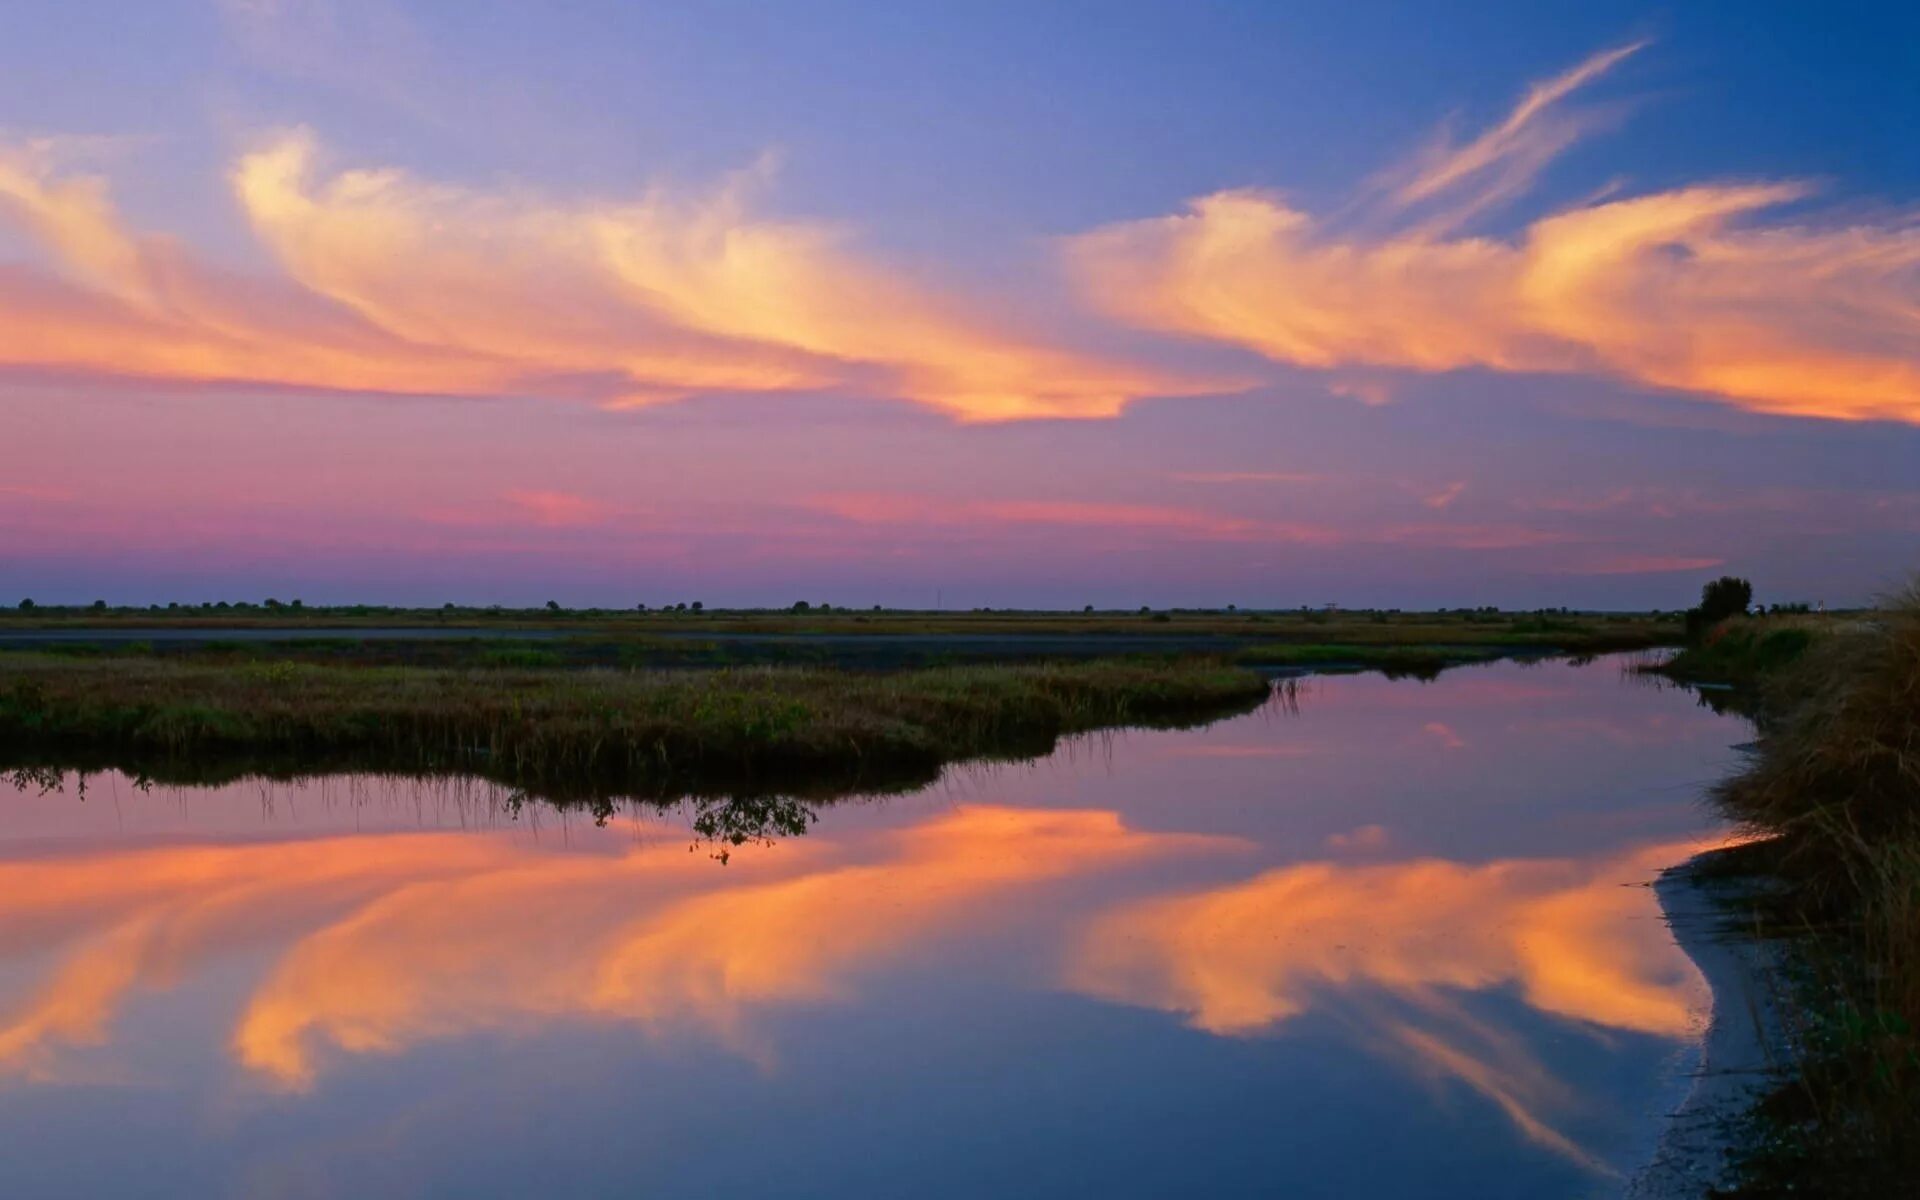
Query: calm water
1395, 943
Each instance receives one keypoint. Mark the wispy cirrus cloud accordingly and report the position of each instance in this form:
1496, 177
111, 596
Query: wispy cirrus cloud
1167, 521
1646, 564
397, 284
886, 508
1227, 477
1697, 288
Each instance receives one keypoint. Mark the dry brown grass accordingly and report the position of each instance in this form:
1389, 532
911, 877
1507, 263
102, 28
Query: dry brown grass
1836, 784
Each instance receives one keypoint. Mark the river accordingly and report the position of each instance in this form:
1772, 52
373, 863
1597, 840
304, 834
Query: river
1378, 939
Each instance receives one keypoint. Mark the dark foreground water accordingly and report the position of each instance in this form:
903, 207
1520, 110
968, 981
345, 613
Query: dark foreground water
1395, 943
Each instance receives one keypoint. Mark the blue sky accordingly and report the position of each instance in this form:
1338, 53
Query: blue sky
952, 328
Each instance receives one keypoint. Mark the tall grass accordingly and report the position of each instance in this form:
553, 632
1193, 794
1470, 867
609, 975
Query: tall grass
584, 732
1836, 783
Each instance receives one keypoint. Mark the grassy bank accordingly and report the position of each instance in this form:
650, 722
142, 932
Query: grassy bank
581, 732
1747, 650
1835, 790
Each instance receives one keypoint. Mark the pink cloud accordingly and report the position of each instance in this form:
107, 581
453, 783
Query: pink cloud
885, 508
1645, 564
1229, 477
36, 493
559, 509
1366, 838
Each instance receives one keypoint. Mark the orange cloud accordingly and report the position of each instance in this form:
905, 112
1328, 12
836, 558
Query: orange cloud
395, 284
1685, 289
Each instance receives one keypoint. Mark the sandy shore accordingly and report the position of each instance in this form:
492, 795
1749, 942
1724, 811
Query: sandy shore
1735, 1060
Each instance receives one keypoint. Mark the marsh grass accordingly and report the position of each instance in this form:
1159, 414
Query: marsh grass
1747, 650
584, 732
1836, 785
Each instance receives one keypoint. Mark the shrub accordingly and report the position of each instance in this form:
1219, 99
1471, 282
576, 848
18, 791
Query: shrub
1727, 596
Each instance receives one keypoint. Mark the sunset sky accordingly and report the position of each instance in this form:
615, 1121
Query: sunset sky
1040, 304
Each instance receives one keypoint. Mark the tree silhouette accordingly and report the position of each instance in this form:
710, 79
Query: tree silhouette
1727, 596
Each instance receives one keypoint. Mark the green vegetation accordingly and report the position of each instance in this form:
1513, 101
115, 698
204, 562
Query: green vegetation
1835, 791
1557, 629
575, 733
1745, 650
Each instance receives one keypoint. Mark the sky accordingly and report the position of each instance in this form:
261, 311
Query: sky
996, 304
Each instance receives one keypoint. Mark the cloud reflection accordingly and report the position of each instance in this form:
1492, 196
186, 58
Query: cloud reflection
1397, 946
382, 941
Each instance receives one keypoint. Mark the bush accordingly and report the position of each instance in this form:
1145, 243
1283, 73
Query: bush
1727, 596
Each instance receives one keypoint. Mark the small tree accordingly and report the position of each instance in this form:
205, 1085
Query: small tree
696, 606
1727, 596
26, 606
553, 606
99, 606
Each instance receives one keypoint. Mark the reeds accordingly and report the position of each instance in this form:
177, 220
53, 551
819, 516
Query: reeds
584, 732
1836, 783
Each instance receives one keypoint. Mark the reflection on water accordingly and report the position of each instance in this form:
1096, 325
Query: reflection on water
1389, 940
1568, 935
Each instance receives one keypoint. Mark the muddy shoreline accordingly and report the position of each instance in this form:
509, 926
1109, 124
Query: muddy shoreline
1739, 1054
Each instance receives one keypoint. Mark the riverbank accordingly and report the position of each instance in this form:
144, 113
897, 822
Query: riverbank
1737, 1058
1832, 795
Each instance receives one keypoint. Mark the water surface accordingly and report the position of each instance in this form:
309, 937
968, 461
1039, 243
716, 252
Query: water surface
1388, 939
